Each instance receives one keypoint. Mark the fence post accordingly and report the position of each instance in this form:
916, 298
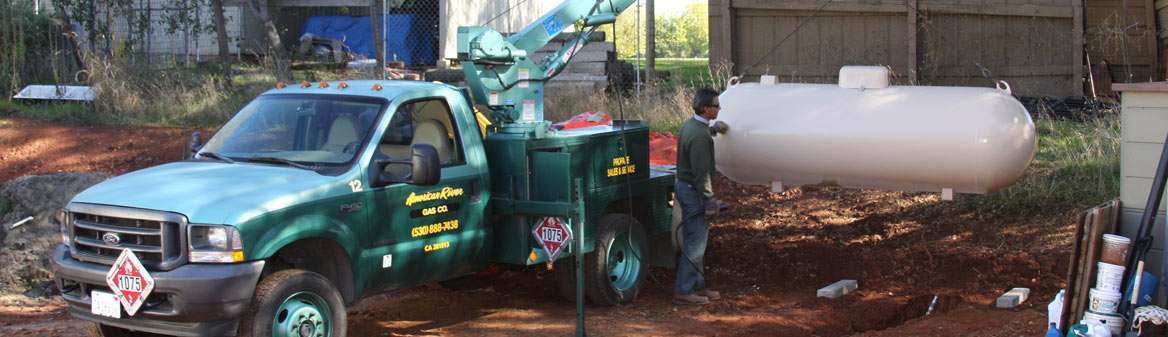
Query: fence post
913, 49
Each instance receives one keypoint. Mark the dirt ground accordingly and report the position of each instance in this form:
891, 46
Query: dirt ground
768, 254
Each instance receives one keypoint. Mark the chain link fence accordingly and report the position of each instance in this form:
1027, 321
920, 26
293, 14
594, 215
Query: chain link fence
134, 52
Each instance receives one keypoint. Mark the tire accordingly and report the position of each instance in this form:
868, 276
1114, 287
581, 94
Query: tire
615, 271
101, 330
293, 295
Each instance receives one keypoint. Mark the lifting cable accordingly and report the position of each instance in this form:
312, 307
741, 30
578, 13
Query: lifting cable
802, 22
625, 140
504, 12
628, 183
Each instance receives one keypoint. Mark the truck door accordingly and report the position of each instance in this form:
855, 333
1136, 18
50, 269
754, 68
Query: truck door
437, 230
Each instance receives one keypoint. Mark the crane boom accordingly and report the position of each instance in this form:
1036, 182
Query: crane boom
501, 72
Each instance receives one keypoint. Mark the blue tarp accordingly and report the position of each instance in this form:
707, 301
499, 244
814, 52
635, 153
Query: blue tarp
410, 39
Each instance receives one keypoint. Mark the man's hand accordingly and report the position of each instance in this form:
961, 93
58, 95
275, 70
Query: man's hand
719, 127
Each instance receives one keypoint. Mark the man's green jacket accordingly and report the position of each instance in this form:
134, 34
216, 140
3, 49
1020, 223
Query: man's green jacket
695, 156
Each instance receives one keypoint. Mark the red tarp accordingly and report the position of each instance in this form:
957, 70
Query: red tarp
584, 120
662, 146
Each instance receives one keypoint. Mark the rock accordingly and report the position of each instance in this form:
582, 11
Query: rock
27, 247
45, 289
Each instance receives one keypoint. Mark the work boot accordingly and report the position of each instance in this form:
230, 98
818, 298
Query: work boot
690, 299
710, 294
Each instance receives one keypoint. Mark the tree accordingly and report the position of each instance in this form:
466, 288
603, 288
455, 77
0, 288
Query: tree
685, 36
378, 41
276, 50
221, 38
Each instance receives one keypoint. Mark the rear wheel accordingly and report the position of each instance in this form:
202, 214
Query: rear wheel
616, 270
295, 303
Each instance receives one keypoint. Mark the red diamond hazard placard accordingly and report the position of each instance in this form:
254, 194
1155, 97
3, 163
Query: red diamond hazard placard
553, 235
129, 281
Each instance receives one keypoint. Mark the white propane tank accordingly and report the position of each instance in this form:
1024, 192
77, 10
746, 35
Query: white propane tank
864, 133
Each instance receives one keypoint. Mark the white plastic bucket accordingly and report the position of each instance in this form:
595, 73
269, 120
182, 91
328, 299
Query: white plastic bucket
1109, 278
1115, 322
1104, 302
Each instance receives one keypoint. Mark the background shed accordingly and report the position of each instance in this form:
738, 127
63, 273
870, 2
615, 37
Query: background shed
1029, 43
439, 19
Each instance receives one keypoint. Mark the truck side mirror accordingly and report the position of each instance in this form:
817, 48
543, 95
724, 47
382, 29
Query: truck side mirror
194, 145
425, 169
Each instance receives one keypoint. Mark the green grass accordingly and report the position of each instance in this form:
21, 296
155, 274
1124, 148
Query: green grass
194, 96
5, 206
1077, 166
58, 112
683, 72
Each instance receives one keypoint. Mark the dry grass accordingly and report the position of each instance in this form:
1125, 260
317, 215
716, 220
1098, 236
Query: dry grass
663, 110
664, 107
171, 96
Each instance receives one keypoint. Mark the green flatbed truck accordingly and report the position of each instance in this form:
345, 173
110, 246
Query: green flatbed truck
314, 196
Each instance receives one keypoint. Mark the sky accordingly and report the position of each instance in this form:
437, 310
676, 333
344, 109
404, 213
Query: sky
664, 7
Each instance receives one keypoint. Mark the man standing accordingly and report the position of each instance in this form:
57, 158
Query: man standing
695, 167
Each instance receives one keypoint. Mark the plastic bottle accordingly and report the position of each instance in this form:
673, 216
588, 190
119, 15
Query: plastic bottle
1053, 331
1099, 330
1078, 330
1054, 310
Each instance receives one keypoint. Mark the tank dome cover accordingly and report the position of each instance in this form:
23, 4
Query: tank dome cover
863, 77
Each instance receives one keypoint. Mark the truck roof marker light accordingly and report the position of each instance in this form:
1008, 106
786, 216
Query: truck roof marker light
305, 84
281, 85
342, 85
377, 87
323, 84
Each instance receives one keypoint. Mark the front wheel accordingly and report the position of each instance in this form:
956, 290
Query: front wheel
295, 303
616, 269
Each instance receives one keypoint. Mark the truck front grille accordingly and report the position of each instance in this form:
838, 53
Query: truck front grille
101, 233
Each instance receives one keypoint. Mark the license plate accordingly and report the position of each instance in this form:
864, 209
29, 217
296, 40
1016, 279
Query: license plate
105, 304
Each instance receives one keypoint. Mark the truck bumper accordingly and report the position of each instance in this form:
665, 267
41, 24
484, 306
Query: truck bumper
191, 300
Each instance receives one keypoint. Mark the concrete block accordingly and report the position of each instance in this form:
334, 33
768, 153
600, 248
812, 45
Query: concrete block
1013, 298
584, 56
838, 289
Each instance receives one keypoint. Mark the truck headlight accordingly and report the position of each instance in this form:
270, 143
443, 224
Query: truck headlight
214, 244
62, 218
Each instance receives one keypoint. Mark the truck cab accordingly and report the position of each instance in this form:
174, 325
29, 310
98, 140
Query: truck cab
314, 196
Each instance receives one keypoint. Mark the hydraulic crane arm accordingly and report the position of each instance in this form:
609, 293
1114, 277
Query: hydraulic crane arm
500, 70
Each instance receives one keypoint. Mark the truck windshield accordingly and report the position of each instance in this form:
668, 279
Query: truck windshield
298, 129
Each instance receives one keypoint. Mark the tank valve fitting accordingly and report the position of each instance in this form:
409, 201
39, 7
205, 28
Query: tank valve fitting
719, 127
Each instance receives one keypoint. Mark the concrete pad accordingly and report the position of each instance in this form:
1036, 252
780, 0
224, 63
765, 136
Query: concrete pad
1013, 298
838, 289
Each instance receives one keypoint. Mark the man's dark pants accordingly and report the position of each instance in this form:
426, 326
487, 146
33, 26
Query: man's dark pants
695, 232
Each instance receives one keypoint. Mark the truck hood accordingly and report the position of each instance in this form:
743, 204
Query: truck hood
213, 192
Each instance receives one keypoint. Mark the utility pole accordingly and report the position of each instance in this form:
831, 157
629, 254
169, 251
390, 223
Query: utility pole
650, 43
